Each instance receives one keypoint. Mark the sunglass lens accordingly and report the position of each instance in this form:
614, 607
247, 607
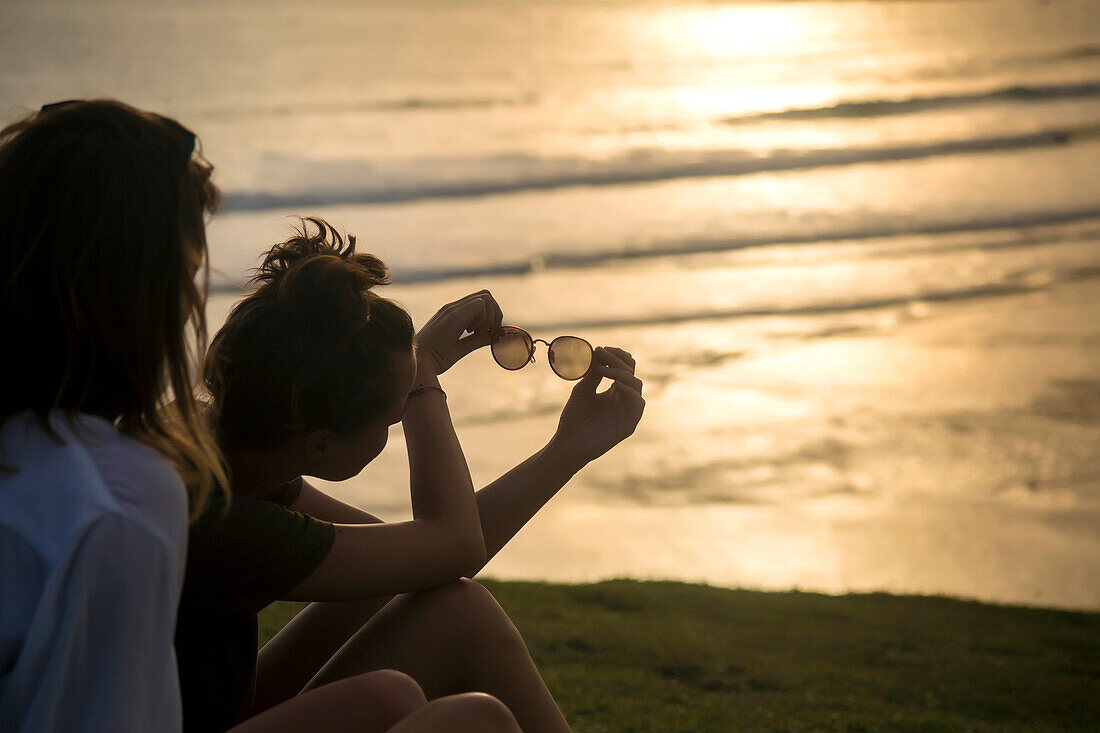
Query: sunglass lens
512, 348
570, 357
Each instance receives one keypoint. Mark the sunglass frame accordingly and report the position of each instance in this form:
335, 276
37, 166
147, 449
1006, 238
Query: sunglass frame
549, 351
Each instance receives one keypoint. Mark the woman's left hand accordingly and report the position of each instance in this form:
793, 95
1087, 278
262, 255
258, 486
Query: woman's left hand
592, 424
440, 342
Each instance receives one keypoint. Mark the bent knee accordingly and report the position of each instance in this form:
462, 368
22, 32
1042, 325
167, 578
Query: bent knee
473, 610
464, 599
392, 691
461, 592
476, 711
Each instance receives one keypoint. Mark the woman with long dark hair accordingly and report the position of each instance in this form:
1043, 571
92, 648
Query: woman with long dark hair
102, 447
101, 237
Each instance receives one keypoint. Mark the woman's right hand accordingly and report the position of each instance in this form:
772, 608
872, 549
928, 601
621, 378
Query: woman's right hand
439, 344
593, 423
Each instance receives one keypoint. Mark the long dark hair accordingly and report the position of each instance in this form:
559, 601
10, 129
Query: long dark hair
311, 348
102, 231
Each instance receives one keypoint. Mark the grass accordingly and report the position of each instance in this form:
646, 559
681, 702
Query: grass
645, 656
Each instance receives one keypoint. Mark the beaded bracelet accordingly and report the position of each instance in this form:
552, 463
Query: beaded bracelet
422, 388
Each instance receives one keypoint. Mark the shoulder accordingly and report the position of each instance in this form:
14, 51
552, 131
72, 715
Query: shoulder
258, 528
243, 556
142, 485
284, 494
119, 545
59, 486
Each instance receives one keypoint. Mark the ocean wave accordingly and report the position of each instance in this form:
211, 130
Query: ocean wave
1086, 51
887, 107
730, 244
397, 104
1015, 284
983, 64
367, 182
597, 258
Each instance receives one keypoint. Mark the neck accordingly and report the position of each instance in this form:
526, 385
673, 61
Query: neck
256, 472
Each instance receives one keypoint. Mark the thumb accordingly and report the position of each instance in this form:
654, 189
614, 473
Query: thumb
473, 342
590, 380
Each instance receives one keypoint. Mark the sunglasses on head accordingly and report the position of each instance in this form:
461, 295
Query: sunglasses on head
183, 138
570, 356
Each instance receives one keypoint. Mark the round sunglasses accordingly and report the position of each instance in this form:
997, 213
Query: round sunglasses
570, 356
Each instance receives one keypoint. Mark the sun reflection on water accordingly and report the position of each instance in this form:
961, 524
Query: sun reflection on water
720, 49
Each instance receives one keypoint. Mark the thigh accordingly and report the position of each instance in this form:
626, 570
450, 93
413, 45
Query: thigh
370, 702
303, 646
469, 712
428, 635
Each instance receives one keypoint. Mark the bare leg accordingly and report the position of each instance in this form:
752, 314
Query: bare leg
451, 639
469, 713
301, 648
370, 703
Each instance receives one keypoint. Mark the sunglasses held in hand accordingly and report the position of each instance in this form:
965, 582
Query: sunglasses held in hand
570, 356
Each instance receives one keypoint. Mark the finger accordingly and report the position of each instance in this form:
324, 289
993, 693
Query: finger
609, 356
626, 403
624, 392
623, 355
600, 360
497, 313
482, 318
494, 316
470, 314
589, 381
457, 308
490, 316
620, 376
467, 298
481, 327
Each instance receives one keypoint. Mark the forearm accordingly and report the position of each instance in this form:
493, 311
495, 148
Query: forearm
508, 503
441, 490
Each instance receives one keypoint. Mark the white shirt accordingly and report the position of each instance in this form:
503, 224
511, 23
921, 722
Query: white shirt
93, 540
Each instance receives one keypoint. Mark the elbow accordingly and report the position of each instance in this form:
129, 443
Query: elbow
469, 555
457, 552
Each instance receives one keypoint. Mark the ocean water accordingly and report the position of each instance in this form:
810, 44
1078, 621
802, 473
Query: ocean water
854, 247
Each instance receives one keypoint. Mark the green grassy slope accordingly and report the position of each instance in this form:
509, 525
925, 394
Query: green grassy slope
643, 656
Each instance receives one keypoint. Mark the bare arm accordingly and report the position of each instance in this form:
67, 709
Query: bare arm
443, 541
504, 506
508, 503
591, 424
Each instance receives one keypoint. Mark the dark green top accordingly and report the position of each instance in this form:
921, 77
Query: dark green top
238, 562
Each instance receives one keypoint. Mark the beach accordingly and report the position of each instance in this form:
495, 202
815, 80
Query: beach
854, 248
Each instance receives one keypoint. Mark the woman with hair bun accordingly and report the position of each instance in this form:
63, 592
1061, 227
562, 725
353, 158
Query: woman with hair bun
306, 376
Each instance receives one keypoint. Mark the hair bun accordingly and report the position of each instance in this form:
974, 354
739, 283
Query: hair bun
320, 276
326, 241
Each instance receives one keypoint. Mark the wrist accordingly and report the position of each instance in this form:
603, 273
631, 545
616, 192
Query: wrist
418, 389
565, 454
426, 375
